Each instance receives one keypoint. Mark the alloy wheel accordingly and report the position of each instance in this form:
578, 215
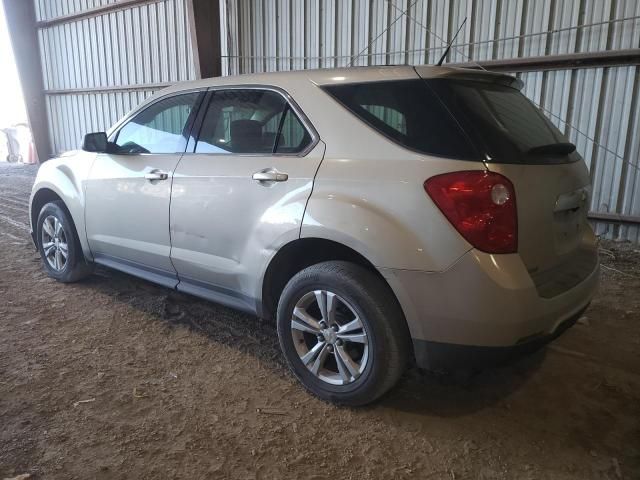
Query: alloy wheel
54, 243
329, 337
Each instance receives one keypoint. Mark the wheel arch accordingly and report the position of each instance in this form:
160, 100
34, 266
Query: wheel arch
39, 199
302, 253
297, 255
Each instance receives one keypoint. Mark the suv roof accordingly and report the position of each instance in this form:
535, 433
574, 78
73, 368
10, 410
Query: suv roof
329, 76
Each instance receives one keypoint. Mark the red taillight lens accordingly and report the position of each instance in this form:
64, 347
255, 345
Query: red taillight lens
481, 206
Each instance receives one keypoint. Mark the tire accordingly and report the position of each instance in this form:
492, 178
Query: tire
72, 268
379, 350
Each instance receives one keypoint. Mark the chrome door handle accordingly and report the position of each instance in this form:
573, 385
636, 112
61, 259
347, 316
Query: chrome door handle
156, 175
270, 176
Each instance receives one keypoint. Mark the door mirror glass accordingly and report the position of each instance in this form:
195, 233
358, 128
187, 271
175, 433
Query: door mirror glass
95, 142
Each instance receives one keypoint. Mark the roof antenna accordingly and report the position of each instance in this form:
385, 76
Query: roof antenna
446, 52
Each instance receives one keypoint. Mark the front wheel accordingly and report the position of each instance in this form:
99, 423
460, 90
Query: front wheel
342, 332
59, 245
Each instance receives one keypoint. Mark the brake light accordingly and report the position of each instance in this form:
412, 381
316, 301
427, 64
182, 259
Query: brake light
480, 205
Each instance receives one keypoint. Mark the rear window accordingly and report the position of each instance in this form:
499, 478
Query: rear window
469, 120
408, 113
501, 122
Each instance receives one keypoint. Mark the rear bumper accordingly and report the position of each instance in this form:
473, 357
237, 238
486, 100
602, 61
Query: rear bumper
447, 357
484, 301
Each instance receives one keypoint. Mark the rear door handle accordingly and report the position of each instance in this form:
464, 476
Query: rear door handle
270, 176
156, 175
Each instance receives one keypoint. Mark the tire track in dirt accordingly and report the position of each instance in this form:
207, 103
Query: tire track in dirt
10, 209
4, 200
14, 205
14, 198
16, 224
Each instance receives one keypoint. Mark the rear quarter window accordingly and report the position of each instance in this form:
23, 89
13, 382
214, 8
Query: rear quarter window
408, 113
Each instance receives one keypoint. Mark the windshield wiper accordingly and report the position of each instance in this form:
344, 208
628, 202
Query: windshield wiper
560, 148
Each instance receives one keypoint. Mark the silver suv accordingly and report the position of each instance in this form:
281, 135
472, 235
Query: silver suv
381, 215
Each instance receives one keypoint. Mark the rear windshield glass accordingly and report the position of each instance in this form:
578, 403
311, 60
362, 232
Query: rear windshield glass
470, 120
501, 122
409, 113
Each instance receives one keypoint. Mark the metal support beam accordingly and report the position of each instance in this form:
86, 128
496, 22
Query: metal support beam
110, 89
572, 61
94, 12
204, 23
614, 218
21, 23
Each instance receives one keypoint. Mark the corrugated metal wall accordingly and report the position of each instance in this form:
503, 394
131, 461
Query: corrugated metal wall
593, 106
98, 67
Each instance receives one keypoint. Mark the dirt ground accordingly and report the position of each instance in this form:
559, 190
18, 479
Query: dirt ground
117, 378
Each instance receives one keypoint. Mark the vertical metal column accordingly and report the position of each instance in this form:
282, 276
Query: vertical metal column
21, 22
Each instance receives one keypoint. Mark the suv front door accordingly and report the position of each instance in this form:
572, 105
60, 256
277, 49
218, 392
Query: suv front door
129, 189
241, 192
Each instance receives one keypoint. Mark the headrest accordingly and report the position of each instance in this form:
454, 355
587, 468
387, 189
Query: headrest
246, 136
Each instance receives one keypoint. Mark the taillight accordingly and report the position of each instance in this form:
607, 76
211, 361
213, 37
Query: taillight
480, 205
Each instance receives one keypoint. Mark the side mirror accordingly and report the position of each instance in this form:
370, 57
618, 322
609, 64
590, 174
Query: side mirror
95, 142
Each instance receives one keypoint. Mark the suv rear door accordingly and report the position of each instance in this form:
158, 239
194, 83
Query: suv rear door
240, 191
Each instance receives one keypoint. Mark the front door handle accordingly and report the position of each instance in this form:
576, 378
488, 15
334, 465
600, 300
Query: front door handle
270, 176
156, 175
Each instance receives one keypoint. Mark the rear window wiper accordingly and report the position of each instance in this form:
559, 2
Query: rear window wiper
560, 148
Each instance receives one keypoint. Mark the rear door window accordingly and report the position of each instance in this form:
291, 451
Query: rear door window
251, 121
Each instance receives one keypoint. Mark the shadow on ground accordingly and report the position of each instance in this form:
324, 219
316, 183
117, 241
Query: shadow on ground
419, 391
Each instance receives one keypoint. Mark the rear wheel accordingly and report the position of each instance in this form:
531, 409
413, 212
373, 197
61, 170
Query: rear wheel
342, 332
59, 244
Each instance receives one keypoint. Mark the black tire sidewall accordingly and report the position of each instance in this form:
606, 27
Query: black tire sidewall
364, 389
70, 270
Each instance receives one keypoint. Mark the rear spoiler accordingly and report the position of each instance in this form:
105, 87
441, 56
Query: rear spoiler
427, 71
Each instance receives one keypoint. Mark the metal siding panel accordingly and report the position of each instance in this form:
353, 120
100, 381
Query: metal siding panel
566, 13
460, 51
537, 20
606, 178
344, 32
312, 30
439, 28
148, 43
328, 37
631, 199
396, 41
484, 27
509, 26
297, 33
419, 38
284, 35
382, 15
532, 86
586, 101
